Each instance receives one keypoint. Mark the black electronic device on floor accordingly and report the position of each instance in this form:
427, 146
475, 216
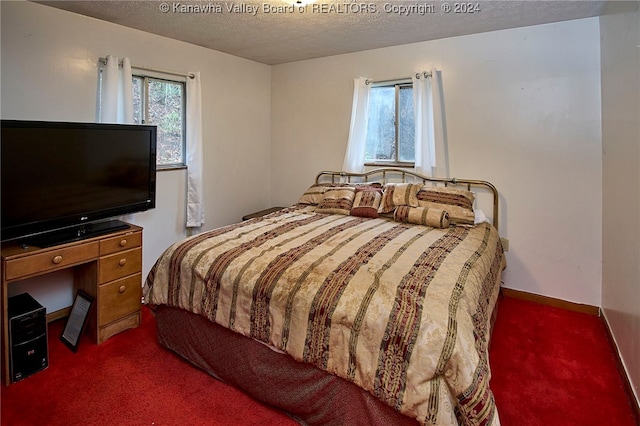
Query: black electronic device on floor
28, 346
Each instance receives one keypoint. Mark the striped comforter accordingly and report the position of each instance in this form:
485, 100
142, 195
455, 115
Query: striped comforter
401, 310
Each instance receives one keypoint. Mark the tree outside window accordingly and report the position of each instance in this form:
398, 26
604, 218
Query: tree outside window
390, 125
162, 103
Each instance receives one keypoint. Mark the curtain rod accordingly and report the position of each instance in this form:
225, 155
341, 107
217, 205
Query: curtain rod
393, 80
190, 75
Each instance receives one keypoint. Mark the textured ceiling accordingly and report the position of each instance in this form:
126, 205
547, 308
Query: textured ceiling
271, 32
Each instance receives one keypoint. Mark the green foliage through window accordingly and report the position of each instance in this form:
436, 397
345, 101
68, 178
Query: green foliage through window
161, 103
390, 124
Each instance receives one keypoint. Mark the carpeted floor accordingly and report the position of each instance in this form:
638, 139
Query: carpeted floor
555, 367
550, 367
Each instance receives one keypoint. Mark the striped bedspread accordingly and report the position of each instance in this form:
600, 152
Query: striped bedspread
401, 310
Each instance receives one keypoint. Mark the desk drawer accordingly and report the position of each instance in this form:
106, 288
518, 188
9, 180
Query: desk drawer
120, 243
119, 265
119, 298
51, 260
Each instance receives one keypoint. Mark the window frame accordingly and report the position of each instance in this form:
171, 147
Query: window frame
146, 77
397, 85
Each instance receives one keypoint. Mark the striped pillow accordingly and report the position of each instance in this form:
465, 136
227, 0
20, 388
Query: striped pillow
337, 200
457, 202
436, 218
366, 202
399, 194
313, 195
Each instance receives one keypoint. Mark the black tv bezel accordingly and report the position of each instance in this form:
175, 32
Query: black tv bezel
81, 225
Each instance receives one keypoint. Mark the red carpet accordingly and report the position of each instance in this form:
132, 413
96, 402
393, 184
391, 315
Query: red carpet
550, 367
555, 367
128, 380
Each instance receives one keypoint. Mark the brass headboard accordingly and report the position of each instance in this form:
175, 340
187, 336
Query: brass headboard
389, 174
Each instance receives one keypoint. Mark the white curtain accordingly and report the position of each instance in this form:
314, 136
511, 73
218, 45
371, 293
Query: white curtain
116, 95
354, 157
195, 201
431, 148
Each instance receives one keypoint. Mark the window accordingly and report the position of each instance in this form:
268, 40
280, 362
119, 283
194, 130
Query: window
161, 102
390, 128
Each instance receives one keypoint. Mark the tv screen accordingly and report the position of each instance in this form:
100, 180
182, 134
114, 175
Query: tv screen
58, 175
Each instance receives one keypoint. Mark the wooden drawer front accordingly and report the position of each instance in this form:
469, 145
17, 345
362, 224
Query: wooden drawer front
120, 265
51, 260
120, 243
119, 298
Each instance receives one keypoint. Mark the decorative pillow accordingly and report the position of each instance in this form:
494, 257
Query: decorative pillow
457, 202
359, 185
366, 202
435, 218
337, 200
313, 195
399, 194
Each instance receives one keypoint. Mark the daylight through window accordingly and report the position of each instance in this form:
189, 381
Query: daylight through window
161, 102
390, 125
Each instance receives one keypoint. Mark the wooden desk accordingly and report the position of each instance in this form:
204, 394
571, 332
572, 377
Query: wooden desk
108, 267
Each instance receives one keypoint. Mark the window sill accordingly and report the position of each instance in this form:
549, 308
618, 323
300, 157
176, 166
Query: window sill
403, 164
171, 167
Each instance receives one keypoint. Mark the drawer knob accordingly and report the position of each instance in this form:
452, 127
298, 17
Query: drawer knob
123, 243
57, 259
122, 289
122, 262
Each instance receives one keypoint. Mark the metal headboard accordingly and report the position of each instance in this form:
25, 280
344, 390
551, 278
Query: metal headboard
385, 175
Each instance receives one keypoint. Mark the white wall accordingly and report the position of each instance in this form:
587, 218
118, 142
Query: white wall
621, 186
49, 71
523, 111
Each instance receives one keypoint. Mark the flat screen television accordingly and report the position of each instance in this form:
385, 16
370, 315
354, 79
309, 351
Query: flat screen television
66, 181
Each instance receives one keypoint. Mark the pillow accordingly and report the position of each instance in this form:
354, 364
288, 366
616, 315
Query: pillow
436, 218
337, 200
376, 185
399, 194
457, 202
313, 195
366, 202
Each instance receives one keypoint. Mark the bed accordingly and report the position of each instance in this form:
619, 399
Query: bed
370, 301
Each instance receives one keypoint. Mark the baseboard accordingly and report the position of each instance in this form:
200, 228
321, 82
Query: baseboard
633, 398
62, 313
551, 301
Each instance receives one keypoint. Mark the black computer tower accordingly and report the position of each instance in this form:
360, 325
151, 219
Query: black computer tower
28, 347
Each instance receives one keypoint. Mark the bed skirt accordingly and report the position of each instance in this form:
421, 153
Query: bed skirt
309, 395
